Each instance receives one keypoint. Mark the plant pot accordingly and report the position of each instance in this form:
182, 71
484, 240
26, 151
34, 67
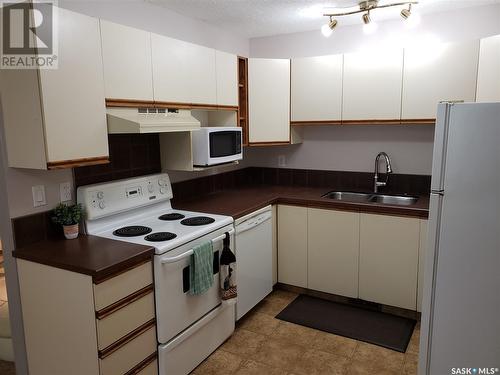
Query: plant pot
70, 231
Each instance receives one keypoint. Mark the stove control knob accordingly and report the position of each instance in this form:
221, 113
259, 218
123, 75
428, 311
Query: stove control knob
150, 187
100, 195
102, 205
161, 182
162, 190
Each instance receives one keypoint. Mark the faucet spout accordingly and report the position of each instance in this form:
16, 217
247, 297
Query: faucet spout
388, 170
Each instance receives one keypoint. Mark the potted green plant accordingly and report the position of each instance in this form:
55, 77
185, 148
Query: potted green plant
68, 216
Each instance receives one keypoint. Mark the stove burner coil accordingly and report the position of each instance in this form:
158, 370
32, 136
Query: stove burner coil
172, 216
160, 236
197, 220
132, 231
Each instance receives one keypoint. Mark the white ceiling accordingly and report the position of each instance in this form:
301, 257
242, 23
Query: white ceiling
257, 18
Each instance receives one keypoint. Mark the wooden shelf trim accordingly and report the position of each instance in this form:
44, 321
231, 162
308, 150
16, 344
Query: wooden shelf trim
130, 103
137, 295
63, 164
257, 144
126, 339
364, 122
142, 365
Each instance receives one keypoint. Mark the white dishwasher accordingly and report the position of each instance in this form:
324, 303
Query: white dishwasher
254, 257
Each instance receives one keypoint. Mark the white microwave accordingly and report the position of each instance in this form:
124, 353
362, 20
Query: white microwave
216, 145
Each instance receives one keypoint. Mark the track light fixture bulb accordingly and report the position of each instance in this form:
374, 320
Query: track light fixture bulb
327, 29
366, 18
406, 13
333, 23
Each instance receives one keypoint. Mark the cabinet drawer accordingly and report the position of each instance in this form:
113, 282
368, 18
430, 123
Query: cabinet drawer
126, 357
151, 369
122, 285
119, 323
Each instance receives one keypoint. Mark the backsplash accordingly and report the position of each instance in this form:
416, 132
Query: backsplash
130, 155
32, 228
334, 180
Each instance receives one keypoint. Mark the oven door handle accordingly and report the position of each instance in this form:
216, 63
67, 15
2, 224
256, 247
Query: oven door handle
190, 252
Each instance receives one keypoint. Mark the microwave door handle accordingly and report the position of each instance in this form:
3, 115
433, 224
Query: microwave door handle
190, 252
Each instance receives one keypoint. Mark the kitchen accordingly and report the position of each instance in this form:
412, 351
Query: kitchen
312, 116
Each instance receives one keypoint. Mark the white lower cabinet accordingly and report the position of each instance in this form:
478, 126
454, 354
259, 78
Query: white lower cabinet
388, 260
292, 245
422, 254
333, 251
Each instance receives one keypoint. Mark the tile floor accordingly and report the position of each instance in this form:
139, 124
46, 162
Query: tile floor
263, 344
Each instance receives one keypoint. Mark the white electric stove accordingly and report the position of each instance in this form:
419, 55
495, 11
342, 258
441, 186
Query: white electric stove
138, 210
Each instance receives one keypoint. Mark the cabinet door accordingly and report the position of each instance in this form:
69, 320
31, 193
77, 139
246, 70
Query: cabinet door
170, 59
227, 78
202, 82
269, 100
372, 85
182, 72
388, 260
438, 73
316, 88
126, 56
333, 251
488, 77
73, 94
292, 245
422, 254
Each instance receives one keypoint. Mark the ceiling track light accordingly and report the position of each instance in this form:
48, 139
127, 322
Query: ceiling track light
365, 7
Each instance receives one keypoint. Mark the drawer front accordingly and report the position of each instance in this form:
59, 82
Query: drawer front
123, 321
151, 369
122, 285
129, 355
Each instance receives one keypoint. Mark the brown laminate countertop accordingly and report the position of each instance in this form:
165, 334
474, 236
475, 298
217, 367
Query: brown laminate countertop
90, 255
239, 202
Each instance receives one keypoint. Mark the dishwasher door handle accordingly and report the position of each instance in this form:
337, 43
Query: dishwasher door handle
253, 222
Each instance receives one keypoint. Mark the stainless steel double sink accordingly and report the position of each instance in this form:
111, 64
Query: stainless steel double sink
349, 196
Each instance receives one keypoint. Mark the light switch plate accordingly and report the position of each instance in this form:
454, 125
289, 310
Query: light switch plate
65, 191
39, 195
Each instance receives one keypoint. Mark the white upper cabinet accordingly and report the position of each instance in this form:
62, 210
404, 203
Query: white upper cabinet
488, 78
126, 55
202, 82
226, 65
183, 72
372, 85
316, 88
56, 118
269, 100
438, 73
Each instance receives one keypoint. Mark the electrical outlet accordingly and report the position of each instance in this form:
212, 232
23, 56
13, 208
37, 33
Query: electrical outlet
65, 191
38, 195
281, 161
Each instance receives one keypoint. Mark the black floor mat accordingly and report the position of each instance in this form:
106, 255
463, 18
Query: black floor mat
375, 327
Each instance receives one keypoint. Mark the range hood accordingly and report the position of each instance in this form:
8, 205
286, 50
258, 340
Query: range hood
149, 120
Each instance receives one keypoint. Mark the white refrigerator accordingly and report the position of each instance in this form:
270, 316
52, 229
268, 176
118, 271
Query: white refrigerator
461, 306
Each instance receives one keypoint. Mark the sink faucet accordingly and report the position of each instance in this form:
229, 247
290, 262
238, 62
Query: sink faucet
388, 170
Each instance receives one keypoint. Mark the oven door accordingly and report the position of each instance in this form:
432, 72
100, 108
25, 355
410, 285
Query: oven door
224, 146
176, 309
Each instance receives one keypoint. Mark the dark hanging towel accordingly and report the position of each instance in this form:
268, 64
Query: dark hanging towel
228, 271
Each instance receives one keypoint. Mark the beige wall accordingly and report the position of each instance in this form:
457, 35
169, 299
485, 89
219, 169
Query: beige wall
353, 148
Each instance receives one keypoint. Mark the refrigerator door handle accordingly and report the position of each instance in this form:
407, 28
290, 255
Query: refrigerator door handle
438, 192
